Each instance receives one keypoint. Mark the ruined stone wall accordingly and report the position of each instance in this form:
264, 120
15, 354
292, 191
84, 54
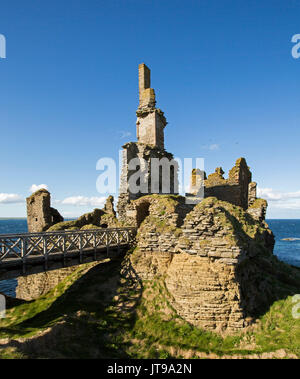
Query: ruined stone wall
33, 286
150, 126
258, 209
150, 134
252, 193
144, 153
151, 121
234, 189
40, 214
206, 256
237, 189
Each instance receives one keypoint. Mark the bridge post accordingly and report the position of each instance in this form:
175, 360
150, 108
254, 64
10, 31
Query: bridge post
118, 241
80, 248
95, 245
3, 249
45, 252
64, 250
23, 253
107, 243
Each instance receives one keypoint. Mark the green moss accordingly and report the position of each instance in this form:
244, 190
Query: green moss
97, 217
166, 203
279, 329
259, 203
241, 227
159, 226
90, 226
105, 312
40, 191
62, 226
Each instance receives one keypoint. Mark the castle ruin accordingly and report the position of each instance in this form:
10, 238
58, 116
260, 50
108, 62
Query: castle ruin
150, 146
237, 189
214, 256
40, 215
210, 252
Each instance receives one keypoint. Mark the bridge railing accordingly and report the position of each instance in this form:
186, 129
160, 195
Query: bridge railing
22, 246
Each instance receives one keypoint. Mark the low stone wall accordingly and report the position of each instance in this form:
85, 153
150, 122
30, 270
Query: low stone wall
33, 286
235, 189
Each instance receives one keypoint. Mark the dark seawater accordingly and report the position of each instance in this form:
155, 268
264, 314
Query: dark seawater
287, 251
10, 226
14, 226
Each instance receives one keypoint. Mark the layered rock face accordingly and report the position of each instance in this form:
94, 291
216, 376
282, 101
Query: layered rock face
208, 256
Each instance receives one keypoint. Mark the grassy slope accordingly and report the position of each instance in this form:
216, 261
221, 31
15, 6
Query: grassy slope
98, 313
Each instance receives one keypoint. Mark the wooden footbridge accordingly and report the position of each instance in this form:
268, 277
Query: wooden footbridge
29, 253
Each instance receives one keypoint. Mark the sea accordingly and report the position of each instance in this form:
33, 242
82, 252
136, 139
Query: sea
287, 245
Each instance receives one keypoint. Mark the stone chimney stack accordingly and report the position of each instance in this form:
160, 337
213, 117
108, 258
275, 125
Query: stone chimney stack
150, 120
144, 79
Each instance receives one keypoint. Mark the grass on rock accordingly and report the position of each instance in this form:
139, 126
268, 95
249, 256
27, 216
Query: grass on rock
104, 311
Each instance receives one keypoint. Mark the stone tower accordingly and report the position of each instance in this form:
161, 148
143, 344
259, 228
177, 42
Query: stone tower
150, 134
150, 120
40, 214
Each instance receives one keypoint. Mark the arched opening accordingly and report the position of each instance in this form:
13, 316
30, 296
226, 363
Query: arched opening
142, 211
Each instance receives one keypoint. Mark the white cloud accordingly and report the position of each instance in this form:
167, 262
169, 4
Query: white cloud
277, 199
36, 187
272, 195
82, 200
10, 198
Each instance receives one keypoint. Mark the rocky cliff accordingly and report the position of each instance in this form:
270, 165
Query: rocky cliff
216, 259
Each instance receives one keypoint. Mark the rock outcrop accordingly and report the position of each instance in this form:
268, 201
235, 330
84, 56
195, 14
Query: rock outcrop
103, 218
215, 258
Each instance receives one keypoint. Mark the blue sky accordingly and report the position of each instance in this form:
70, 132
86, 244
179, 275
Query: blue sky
222, 71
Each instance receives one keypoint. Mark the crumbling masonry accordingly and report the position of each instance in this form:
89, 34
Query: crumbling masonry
238, 189
150, 134
40, 215
215, 257
212, 254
